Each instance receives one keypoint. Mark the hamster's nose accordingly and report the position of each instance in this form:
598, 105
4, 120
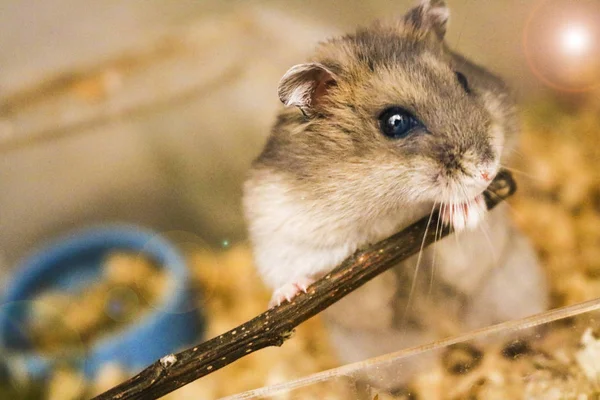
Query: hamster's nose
486, 175
477, 180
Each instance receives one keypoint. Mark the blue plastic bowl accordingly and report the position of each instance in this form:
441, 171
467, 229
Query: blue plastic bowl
72, 263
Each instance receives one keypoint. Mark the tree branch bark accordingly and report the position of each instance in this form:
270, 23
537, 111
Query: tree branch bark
276, 325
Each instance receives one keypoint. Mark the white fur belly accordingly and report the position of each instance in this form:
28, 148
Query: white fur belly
294, 238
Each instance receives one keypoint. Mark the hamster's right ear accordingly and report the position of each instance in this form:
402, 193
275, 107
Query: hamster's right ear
429, 15
304, 86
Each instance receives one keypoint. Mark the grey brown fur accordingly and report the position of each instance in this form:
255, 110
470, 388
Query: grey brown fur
328, 182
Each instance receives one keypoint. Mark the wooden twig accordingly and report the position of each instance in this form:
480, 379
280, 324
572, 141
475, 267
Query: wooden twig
276, 325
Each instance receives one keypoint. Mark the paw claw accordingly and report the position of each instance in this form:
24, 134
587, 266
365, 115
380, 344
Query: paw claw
301, 287
290, 290
465, 215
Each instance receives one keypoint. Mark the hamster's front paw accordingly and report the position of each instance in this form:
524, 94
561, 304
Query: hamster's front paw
290, 290
464, 215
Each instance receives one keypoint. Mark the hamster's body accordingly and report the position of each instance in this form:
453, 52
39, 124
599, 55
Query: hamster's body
392, 124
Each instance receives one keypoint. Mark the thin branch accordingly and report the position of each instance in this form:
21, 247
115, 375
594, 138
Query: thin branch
276, 325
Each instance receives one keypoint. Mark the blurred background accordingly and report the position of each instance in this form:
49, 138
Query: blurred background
150, 112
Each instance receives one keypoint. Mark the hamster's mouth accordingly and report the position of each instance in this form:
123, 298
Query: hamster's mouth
465, 215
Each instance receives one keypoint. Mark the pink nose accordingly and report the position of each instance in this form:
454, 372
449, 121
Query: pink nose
486, 176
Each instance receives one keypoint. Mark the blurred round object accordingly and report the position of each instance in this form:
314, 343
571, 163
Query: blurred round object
562, 44
68, 270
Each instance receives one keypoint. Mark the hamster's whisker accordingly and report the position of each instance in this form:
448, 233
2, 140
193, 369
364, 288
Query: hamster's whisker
413, 284
437, 224
446, 212
468, 200
457, 234
517, 152
525, 174
434, 250
485, 231
441, 218
438, 230
452, 211
482, 227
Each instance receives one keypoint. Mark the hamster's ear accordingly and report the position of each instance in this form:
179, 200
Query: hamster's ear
304, 85
429, 15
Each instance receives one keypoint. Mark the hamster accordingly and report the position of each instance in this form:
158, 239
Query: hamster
381, 127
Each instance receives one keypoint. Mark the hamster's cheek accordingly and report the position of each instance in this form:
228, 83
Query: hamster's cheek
426, 185
497, 137
500, 122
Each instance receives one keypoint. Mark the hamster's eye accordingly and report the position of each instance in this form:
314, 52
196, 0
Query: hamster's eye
396, 123
462, 80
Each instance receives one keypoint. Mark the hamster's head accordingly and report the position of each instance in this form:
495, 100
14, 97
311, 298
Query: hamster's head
395, 115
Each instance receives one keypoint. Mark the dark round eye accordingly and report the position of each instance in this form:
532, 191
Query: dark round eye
462, 80
396, 123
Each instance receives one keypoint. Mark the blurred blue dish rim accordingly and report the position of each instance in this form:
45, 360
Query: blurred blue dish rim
73, 262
